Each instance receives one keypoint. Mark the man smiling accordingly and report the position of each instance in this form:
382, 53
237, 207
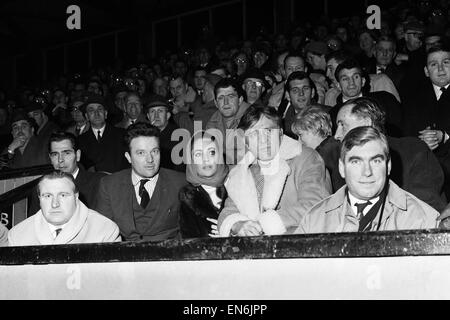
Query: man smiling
369, 201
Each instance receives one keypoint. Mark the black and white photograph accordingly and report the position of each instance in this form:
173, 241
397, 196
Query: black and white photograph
225, 157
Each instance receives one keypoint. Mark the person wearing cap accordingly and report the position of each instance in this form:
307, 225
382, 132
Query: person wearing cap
254, 84
45, 126
133, 111
102, 146
158, 112
60, 113
411, 50
25, 150
81, 124
315, 55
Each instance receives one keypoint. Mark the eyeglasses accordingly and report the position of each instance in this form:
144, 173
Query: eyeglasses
240, 60
251, 83
263, 132
221, 98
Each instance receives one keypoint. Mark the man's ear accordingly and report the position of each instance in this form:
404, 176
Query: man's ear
78, 155
127, 155
168, 115
389, 167
241, 99
106, 114
426, 71
363, 82
341, 169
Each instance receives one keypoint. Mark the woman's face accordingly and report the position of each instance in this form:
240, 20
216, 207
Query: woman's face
205, 155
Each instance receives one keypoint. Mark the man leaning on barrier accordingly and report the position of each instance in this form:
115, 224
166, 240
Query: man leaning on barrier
63, 218
369, 201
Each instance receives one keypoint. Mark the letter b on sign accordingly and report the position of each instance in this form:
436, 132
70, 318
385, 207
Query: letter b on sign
374, 21
74, 20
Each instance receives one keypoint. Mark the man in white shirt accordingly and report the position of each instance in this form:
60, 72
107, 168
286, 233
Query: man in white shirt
142, 200
63, 218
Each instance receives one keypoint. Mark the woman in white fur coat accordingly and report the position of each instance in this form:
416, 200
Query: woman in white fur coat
275, 183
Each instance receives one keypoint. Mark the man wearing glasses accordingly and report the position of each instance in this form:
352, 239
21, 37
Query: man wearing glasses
25, 150
276, 182
254, 85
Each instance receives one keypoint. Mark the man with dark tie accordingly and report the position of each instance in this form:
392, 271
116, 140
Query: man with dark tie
142, 200
428, 115
102, 147
369, 201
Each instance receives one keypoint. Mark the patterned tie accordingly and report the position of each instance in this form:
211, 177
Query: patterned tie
360, 208
145, 198
57, 232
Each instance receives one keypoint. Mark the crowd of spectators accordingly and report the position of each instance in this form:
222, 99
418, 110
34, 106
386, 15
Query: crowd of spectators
280, 128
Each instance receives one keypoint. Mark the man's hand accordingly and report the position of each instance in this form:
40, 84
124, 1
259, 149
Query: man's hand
444, 218
247, 229
18, 142
214, 232
431, 137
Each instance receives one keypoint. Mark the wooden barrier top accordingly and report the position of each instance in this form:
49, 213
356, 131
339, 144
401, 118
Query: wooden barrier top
331, 245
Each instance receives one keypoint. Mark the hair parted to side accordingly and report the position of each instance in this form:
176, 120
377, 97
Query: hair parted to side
57, 174
314, 119
348, 64
140, 129
368, 108
226, 83
58, 136
301, 75
255, 112
360, 136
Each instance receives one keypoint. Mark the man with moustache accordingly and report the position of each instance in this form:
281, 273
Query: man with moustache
25, 150
143, 200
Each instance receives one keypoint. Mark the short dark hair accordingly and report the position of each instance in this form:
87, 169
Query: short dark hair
388, 39
58, 136
360, 136
294, 54
436, 48
301, 75
140, 129
57, 174
350, 63
255, 112
228, 82
368, 108
340, 56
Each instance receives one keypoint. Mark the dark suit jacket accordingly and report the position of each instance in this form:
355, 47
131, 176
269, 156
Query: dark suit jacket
416, 169
394, 72
166, 145
387, 102
115, 201
425, 110
106, 155
196, 206
330, 150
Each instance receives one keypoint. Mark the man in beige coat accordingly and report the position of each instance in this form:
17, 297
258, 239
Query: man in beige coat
63, 218
369, 201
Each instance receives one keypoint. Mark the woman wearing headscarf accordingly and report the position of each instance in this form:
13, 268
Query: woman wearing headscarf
204, 197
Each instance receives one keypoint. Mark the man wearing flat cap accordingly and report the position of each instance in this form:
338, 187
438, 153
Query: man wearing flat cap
102, 147
255, 85
158, 112
25, 149
45, 126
